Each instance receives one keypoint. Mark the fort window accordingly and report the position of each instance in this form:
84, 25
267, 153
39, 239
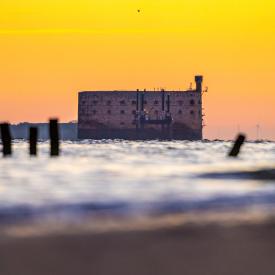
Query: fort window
134, 112
122, 112
145, 102
122, 102
156, 112
192, 102
95, 102
180, 112
192, 112
134, 102
109, 112
122, 123
156, 102
94, 112
109, 102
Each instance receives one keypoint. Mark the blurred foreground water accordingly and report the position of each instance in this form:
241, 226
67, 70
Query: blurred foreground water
134, 177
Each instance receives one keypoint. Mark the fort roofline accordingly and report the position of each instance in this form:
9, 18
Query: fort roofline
134, 91
198, 81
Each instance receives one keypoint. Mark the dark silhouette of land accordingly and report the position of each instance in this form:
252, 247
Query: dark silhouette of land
68, 131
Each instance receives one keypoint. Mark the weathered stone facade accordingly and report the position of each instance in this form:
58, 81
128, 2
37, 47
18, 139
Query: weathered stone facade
114, 114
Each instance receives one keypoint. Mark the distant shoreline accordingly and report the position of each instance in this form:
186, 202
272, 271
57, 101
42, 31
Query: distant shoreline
68, 131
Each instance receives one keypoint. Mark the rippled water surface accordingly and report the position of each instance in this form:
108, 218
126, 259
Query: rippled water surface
132, 177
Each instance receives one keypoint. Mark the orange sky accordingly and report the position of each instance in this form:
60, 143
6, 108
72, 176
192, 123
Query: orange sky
50, 50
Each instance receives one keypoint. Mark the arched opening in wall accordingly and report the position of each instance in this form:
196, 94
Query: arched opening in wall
95, 102
180, 112
134, 102
109, 102
192, 102
122, 112
122, 123
192, 113
94, 112
109, 112
156, 102
122, 102
134, 112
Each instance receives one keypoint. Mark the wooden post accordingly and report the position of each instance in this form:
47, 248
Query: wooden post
6, 139
54, 137
33, 136
237, 146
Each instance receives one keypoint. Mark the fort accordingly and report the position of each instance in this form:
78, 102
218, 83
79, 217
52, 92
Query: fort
141, 115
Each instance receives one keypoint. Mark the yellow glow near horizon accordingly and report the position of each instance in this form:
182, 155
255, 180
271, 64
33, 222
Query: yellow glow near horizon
52, 49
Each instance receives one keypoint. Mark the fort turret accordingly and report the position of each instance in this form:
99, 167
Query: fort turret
198, 80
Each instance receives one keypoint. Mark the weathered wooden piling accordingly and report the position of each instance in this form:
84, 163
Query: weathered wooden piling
6, 139
54, 137
237, 146
33, 136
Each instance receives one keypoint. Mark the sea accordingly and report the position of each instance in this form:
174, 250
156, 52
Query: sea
135, 177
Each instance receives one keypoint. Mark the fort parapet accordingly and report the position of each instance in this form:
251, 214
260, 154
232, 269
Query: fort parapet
140, 115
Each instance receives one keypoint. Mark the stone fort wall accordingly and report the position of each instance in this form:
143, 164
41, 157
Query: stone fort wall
111, 114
